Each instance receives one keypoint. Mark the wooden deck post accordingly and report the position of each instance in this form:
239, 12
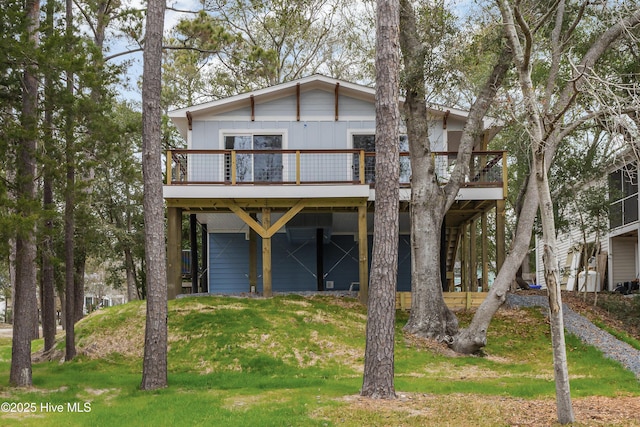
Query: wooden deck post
485, 253
473, 257
500, 233
266, 255
464, 259
363, 253
253, 258
174, 252
193, 237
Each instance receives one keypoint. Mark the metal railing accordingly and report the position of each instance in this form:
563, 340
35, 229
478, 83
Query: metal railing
299, 167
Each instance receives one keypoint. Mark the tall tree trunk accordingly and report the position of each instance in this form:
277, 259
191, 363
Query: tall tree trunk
536, 131
132, 291
430, 317
474, 337
154, 369
379, 351
79, 265
69, 208
47, 300
25, 284
552, 279
48, 296
430, 200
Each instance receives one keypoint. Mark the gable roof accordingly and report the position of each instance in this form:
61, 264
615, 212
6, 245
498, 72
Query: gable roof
314, 82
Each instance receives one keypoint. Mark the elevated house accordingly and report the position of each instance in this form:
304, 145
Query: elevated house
281, 183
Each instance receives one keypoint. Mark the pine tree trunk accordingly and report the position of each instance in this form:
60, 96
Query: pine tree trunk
47, 301
26, 252
69, 212
78, 291
154, 369
48, 295
379, 352
132, 291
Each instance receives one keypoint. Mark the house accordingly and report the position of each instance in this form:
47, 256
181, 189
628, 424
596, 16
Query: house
612, 258
281, 183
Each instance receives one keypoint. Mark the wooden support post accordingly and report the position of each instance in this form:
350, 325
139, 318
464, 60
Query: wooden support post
204, 282
363, 253
473, 257
174, 252
463, 257
320, 258
234, 167
253, 258
500, 233
193, 240
485, 253
505, 175
266, 255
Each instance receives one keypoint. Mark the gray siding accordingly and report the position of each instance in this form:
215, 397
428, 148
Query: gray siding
228, 263
300, 135
294, 263
314, 104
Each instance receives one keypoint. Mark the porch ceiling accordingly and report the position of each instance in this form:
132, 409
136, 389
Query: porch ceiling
466, 210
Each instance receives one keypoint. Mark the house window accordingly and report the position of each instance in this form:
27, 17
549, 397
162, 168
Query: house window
367, 142
254, 167
623, 193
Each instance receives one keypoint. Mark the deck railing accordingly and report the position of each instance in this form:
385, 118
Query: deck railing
299, 167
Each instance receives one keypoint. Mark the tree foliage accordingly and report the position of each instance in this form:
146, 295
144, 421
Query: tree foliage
235, 46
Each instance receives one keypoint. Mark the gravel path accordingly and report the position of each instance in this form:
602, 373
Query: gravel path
589, 333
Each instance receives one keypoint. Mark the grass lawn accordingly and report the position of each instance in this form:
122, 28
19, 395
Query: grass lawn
294, 361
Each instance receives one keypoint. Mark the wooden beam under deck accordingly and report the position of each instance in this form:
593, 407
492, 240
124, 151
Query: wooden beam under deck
212, 205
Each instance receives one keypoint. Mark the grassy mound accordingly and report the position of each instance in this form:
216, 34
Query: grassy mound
291, 360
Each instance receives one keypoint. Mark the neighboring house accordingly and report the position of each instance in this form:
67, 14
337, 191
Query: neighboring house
619, 258
281, 181
98, 294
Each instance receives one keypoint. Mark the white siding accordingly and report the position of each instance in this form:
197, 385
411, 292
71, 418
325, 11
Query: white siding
565, 243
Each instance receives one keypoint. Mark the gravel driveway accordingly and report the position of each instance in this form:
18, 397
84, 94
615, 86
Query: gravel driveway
589, 333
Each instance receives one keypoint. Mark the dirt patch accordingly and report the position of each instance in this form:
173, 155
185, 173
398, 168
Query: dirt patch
429, 345
463, 409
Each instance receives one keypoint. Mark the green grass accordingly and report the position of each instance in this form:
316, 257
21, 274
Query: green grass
621, 335
286, 361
